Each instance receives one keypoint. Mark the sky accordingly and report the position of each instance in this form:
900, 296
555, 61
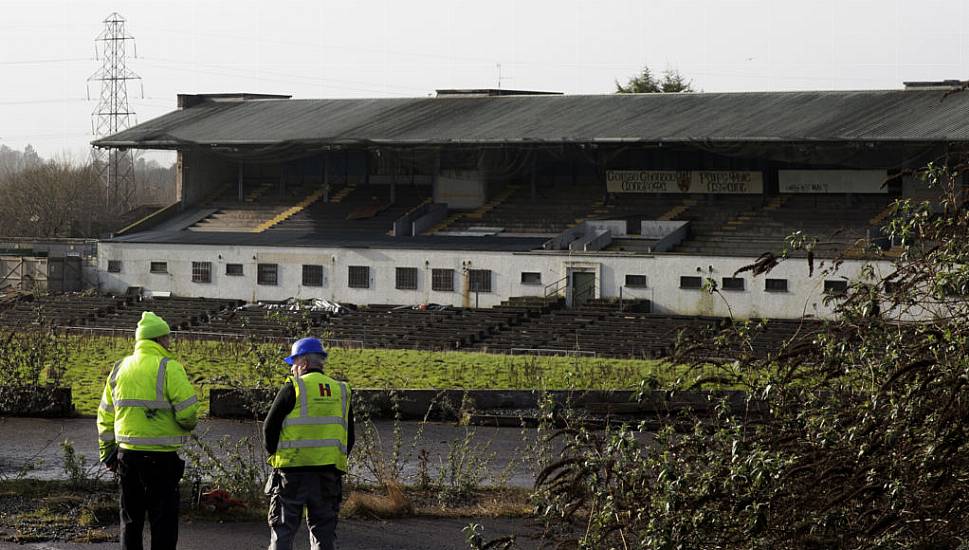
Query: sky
394, 48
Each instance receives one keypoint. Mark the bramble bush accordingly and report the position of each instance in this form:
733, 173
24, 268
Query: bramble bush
31, 368
855, 433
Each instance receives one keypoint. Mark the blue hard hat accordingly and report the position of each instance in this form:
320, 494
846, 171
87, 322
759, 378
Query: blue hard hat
304, 346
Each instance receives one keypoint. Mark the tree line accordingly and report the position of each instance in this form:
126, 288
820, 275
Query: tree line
65, 197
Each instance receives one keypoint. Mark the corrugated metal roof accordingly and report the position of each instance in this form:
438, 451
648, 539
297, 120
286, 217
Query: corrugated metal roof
832, 116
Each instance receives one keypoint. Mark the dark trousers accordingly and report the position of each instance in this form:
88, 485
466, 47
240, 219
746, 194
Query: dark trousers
319, 492
149, 486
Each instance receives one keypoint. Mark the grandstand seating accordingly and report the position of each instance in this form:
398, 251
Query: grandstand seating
262, 322
554, 210
108, 312
741, 226
603, 329
180, 313
62, 310
263, 202
519, 324
390, 327
357, 209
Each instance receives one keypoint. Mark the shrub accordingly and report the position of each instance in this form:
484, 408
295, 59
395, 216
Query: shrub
854, 435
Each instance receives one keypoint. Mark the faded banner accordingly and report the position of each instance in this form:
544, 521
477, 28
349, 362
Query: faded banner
694, 181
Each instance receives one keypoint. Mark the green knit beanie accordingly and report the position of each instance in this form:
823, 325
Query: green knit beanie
151, 326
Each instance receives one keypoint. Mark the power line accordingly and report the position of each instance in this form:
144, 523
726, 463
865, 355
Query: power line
261, 74
46, 61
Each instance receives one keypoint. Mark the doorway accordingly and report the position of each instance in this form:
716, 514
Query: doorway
583, 287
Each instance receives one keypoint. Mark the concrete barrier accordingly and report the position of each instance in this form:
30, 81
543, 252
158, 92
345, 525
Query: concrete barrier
29, 401
413, 404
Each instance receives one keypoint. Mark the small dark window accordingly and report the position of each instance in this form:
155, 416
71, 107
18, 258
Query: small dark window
158, 267
442, 280
479, 280
636, 281
114, 266
233, 270
733, 283
267, 274
312, 275
358, 276
531, 278
406, 278
835, 287
775, 285
201, 272
691, 282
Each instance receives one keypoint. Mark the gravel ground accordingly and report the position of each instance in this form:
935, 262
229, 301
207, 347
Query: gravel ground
402, 534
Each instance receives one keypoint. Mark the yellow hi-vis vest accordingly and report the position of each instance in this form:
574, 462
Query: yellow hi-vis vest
148, 403
315, 432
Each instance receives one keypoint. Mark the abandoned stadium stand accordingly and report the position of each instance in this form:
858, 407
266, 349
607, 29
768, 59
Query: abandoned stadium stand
483, 196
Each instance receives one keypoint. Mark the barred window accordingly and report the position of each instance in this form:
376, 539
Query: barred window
733, 283
407, 278
775, 285
479, 280
158, 267
267, 274
835, 287
531, 278
636, 281
442, 280
233, 270
312, 275
201, 272
358, 276
114, 266
692, 283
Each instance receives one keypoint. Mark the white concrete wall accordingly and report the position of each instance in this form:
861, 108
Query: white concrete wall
663, 273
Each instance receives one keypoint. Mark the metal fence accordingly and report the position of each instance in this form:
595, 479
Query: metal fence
551, 351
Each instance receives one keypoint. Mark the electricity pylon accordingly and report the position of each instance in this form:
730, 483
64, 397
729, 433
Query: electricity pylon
115, 167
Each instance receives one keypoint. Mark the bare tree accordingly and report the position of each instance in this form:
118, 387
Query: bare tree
57, 198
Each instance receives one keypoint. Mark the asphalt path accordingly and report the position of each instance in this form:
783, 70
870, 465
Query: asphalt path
33, 446
403, 534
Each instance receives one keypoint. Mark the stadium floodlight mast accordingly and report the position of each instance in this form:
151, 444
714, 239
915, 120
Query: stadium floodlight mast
115, 167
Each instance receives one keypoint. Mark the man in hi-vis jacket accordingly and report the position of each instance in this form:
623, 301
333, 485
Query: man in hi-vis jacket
147, 412
308, 434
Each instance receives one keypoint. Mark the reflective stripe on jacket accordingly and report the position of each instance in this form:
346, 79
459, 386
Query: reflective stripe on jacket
315, 432
148, 403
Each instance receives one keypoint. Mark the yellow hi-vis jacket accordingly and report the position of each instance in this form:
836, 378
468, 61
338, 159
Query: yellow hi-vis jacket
315, 432
148, 403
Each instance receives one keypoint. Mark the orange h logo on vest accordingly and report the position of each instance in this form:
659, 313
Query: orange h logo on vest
325, 390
